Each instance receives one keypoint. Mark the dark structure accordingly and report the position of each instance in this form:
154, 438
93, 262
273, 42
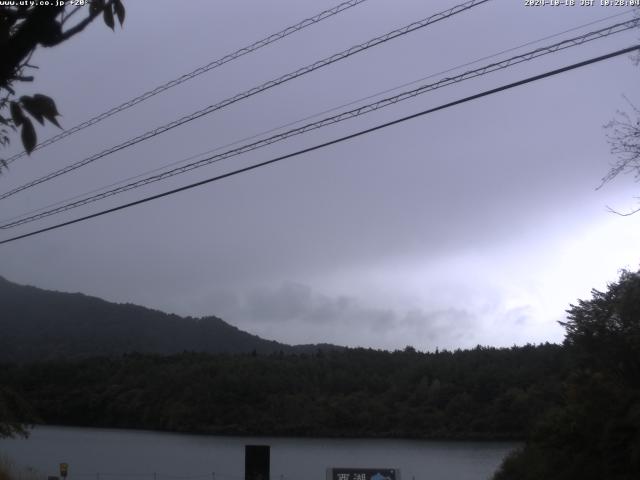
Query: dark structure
257, 462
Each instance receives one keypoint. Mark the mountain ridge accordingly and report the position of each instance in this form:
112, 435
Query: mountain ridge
42, 325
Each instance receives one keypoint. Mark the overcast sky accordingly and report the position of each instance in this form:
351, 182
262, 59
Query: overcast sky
478, 224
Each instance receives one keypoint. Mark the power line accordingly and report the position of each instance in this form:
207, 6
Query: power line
568, 43
340, 117
198, 71
333, 142
253, 91
315, 115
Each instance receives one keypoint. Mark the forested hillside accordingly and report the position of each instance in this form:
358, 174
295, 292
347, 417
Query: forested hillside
39, 325
577, 404
480, 393
594, 433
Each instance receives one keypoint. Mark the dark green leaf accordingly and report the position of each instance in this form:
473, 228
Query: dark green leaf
47, 107
118, 7
107, 14
16, 113
28, 135
33, 108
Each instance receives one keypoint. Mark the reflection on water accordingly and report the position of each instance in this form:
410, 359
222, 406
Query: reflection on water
105, 454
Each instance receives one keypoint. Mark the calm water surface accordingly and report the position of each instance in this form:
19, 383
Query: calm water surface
105, 454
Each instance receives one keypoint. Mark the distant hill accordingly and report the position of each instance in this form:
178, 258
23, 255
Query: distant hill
41, 325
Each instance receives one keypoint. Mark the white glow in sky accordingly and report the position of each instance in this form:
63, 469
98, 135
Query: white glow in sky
476, 225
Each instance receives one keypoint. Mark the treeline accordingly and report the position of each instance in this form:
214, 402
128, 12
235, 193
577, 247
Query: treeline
483, 393
594, 433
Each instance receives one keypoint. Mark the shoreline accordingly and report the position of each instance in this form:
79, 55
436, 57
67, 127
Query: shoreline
227, 434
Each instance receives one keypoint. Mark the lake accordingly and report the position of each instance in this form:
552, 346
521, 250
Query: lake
108, 454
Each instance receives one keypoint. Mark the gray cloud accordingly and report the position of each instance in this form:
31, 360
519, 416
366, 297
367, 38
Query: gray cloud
292, 301
438, 324
369, 228
297, 302
297, 309
520, 316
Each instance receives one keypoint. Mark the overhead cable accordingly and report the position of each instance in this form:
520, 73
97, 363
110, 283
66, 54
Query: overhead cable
309, 117
331, 142
572, 42
253, 91
198, 71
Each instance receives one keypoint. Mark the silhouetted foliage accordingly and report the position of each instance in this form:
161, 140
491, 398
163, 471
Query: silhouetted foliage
624, 139
484, 393
252, 385
15, 414
595, 433
23, 28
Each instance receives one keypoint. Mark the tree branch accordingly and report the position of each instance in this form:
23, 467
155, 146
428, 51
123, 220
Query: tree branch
83, 24
71, 14
628, 214
39, 27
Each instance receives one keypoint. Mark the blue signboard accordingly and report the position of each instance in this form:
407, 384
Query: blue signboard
363, 474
